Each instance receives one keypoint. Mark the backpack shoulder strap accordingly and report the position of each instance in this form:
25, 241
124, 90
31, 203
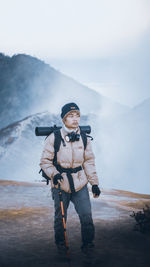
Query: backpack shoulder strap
84, 139
57, 142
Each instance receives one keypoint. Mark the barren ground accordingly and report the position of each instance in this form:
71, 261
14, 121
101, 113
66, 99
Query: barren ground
27, 236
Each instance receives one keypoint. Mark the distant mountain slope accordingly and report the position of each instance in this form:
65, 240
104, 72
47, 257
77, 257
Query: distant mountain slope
19, 91
28, 86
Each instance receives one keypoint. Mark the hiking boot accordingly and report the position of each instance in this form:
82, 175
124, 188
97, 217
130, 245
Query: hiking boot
87, 248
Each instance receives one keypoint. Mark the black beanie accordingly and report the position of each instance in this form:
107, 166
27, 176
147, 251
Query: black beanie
67, 108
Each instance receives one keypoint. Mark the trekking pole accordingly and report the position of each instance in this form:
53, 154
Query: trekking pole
63, 220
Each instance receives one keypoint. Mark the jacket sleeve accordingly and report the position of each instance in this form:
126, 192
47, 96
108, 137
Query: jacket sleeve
46, 162
89, 164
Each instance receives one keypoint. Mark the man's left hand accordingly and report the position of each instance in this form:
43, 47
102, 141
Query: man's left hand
96, 191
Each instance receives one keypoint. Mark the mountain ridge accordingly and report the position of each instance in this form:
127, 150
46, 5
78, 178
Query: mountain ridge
28, 85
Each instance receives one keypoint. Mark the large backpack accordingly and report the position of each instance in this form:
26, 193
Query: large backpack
57, 142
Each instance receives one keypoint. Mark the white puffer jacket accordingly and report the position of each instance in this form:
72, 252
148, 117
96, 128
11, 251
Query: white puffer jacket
70, 156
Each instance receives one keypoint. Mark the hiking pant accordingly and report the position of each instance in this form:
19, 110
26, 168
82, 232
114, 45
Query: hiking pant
82, 206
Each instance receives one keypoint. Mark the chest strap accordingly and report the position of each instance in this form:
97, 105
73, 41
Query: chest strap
69, 171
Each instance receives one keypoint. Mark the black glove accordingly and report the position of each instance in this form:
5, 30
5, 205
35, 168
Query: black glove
95, 190
56, 178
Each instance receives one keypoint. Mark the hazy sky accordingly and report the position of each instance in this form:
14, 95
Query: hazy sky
78, 30
72, 28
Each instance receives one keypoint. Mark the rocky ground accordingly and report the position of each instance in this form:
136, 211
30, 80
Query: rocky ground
27, 236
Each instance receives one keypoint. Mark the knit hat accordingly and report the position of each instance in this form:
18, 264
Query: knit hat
67, 108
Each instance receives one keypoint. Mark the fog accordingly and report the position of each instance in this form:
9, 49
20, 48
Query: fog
121, 145
121, 134
122, 151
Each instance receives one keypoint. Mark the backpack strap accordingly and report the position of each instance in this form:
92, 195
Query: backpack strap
57, 143
84, 138
45, 176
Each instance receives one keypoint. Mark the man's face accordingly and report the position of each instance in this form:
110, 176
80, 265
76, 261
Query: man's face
72, 120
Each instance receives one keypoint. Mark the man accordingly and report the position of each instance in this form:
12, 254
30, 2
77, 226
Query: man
75, 168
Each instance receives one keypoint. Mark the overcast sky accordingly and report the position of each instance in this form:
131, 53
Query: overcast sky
77, 30
72, 28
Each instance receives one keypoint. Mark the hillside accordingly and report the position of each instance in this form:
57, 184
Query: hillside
29, 85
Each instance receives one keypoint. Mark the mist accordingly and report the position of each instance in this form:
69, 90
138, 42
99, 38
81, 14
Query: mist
122, 149
121, 141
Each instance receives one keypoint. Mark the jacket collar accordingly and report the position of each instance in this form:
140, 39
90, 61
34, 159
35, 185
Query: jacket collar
66, 130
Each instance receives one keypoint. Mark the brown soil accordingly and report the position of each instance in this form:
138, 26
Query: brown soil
27, 236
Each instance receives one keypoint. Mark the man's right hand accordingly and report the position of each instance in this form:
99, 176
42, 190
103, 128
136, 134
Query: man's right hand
57, 178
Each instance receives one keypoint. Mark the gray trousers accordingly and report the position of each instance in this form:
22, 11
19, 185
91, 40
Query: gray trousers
82, 206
